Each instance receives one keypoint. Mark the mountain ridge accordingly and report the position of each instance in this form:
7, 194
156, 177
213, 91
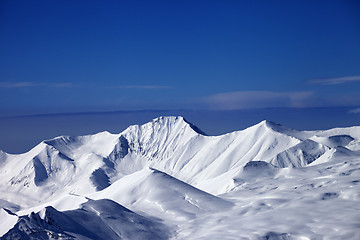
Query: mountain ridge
169, 169
170, 144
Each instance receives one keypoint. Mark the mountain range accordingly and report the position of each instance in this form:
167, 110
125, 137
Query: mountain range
167, 179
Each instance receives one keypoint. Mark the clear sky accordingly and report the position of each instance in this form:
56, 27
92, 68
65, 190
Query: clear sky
70, 56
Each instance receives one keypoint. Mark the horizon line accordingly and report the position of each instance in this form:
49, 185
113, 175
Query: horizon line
159, 110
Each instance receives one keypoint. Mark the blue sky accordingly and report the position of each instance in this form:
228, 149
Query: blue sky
70, 56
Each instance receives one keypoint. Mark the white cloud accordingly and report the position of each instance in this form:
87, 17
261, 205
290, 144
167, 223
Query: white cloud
356, 110
33, 84
258, 99
334, 81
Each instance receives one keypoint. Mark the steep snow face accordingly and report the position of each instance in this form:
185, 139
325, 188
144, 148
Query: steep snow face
160, 138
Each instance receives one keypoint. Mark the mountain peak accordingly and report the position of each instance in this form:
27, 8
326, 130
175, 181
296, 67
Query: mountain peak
168, 119
268, 125
275, 127
175, 121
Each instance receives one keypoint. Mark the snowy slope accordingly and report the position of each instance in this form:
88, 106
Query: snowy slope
155, 192
169, 169
94, 220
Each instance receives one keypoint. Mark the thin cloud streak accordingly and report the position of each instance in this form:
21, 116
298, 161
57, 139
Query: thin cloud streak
356, 110
258, 99
17, 84
334, 81
143, 87
33, 84
70, 85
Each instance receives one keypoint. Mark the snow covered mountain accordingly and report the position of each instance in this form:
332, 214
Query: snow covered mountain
177, 182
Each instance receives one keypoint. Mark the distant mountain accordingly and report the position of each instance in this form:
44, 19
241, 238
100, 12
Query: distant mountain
166, 168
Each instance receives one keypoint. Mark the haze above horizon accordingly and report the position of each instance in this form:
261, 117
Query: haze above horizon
73, 56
